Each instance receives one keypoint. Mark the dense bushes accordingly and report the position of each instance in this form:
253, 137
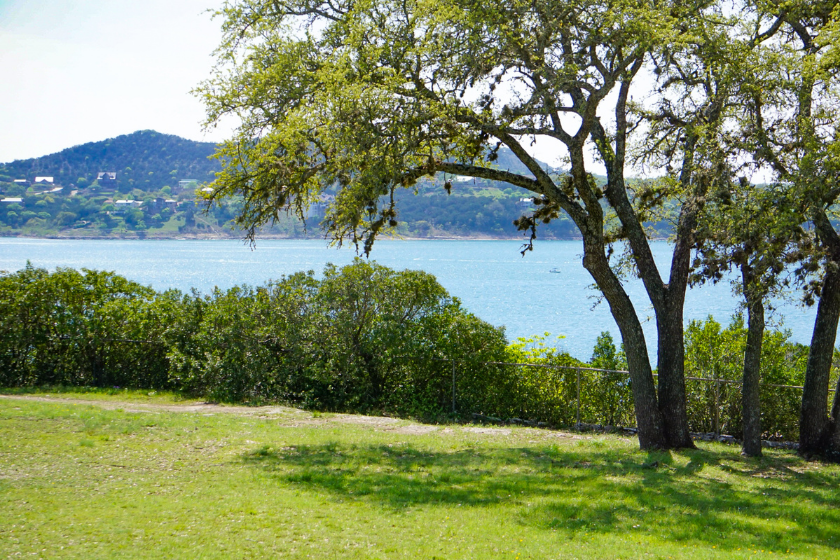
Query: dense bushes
71, 328
361, 338
715, 352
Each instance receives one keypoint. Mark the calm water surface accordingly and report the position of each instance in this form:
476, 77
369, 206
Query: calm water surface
490, 277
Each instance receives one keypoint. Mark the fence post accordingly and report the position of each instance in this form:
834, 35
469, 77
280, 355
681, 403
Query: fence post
577, 375
717, 409
453, 386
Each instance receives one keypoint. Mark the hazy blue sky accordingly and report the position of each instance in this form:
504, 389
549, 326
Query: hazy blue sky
76, 71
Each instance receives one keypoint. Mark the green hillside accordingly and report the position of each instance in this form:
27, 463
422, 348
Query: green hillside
148, 196
145, 160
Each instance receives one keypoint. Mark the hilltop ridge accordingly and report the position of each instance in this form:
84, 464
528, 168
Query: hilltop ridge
145, 160
143, 185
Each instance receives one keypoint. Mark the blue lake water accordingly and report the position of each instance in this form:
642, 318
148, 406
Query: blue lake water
490, 277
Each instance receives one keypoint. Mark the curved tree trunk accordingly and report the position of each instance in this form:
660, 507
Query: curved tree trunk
667, 299
649, 419
750, 397
814, 423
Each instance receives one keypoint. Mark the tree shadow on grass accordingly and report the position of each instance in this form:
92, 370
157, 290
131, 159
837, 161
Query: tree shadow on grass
716, 498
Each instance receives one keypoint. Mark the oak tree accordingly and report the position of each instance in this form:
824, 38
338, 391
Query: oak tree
366, 97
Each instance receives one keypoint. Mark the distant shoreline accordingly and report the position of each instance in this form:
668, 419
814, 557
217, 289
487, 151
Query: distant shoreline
216, 236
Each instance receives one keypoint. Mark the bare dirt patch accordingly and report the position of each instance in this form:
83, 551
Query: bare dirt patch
488, 431
200, 408
413, 429
365, 420
288, 416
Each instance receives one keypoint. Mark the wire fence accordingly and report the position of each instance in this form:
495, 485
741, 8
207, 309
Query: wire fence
603, 397
534, 393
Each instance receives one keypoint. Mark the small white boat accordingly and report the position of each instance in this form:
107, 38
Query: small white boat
555, 270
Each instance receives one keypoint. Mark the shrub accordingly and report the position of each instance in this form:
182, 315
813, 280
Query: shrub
717, 353
72, 328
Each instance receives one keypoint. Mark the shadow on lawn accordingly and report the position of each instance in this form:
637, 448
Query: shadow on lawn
761, 504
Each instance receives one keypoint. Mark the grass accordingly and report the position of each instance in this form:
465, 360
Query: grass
77, 481
171, 226
116, 394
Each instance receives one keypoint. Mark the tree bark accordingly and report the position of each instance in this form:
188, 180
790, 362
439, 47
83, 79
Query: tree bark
648, 416
667, 299
671, 370
814, 423
750, 397
832, 449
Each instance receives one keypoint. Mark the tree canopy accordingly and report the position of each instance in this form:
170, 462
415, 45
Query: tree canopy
366, 97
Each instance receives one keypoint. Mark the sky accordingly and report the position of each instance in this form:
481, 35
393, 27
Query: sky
77, 71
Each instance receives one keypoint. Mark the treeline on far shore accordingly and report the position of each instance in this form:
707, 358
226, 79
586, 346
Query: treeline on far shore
362, 338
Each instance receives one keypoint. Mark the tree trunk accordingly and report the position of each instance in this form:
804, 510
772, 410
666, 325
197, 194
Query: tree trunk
648, 416
750, 399
668, 302
671, 369
832, 449
814, 422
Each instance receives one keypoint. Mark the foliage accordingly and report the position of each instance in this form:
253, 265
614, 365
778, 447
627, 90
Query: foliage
361, 338
80, 328
368, 98
717, 353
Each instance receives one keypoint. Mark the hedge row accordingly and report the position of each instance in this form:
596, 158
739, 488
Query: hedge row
362, 338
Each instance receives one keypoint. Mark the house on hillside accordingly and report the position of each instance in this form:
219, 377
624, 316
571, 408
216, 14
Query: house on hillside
105, 180
47, 180
21, 181
123, 205
525, 202
187, 183
12, 200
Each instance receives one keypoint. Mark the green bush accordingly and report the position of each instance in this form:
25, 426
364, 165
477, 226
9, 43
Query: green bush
363, 338
717, 353
74, 328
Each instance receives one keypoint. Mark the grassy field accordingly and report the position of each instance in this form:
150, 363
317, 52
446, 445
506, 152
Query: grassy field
146, 476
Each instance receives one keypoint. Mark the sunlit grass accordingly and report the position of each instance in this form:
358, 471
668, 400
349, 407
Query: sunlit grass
102, 394
77, 481
171, 225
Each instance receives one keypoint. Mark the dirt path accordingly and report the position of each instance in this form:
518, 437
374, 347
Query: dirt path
201, 408
285, 414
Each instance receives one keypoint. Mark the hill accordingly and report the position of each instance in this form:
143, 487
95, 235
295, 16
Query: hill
145, 160
148, 196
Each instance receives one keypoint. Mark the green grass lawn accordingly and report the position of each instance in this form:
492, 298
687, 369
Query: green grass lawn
171, 225
80, 481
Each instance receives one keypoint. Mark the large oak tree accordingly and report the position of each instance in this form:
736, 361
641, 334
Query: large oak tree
792, 113
372, 95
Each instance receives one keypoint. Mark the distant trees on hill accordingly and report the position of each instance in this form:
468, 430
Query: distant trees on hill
145, 160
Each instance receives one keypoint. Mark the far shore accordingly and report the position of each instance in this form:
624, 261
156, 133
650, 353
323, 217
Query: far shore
219, 236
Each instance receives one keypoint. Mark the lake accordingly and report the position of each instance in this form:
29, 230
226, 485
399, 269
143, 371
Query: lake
490, 277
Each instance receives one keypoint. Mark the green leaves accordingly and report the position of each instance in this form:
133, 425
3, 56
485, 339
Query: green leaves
364, 337
363, 98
